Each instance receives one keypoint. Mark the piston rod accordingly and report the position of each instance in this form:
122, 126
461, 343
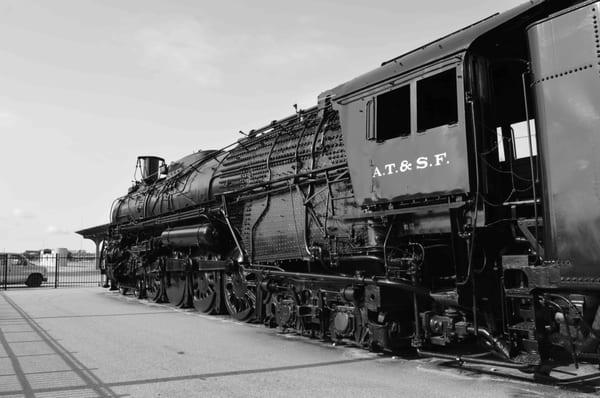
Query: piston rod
480, 361
382, 282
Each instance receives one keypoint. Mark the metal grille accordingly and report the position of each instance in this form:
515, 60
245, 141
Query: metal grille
279, 234
48, 270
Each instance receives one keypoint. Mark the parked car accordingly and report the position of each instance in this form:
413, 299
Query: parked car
16, 269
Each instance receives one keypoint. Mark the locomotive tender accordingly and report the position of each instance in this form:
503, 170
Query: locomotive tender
450, 196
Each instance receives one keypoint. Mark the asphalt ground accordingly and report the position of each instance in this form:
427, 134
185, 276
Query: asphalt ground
89, 342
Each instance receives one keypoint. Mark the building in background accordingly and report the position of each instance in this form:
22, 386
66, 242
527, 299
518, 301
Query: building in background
53, 257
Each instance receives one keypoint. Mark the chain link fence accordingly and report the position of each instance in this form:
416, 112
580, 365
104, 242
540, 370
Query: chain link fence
48, 270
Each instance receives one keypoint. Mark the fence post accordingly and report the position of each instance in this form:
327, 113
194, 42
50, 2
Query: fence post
56, 271
4, 259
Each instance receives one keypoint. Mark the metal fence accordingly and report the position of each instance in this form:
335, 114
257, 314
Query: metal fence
48, 270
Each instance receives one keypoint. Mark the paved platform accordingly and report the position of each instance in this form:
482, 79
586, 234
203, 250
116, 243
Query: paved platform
90, 342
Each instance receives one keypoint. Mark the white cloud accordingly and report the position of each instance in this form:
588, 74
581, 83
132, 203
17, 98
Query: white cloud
181, 46
8, 119
277, 53
54, 230
22, 214
294, 47
190, 48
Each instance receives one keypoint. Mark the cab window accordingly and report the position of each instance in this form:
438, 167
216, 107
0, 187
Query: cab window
520, 137
437, 100
393, 114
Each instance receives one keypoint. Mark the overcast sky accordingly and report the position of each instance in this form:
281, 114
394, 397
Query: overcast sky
86, 86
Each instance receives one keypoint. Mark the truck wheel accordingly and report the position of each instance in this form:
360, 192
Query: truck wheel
34, 280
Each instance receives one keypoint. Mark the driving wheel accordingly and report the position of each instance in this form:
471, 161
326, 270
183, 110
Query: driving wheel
207, 287
239, 293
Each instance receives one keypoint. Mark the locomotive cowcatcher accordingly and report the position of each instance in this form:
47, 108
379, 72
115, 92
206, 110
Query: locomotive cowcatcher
450, 196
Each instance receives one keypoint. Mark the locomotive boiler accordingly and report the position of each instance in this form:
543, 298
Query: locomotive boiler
448, 197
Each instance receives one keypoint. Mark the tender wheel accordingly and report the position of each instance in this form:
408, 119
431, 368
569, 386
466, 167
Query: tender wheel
34, 280
207, 288
240, 298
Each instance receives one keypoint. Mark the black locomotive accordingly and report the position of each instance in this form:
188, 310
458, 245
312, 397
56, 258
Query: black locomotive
450, 196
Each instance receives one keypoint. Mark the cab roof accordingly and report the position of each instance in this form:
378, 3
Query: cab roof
446, 46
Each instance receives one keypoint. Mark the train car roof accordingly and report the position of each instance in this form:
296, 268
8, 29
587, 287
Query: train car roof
441, 48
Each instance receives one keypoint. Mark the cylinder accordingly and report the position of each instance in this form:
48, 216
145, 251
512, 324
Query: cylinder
205, 235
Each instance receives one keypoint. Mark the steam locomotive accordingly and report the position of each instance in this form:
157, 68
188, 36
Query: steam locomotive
451, 196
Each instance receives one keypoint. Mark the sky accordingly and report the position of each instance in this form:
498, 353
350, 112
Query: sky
87, 86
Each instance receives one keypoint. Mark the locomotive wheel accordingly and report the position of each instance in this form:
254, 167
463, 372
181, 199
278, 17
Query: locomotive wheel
175, 287
140, 288
207, 287
281, 311
240, 298
152, 284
